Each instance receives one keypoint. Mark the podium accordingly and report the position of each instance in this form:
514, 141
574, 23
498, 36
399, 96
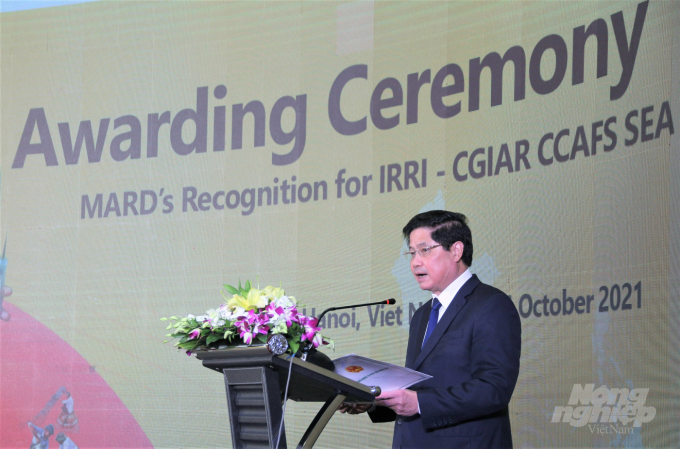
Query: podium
255, 382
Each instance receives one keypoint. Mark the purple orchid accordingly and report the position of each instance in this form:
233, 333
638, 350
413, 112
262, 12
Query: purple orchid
310, 330
246, 335
194, 334
289, 314
251, 325
243, 327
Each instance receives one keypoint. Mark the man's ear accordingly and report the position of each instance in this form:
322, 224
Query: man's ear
457, 250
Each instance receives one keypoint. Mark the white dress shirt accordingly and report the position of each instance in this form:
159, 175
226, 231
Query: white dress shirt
450, 292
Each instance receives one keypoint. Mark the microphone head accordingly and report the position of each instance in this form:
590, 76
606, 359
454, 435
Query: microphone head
390, 301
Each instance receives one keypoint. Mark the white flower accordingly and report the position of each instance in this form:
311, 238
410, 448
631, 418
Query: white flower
230, 315
285, 302
237, 312
224, 312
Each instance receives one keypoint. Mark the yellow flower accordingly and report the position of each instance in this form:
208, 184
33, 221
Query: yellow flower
274, 292
256, 299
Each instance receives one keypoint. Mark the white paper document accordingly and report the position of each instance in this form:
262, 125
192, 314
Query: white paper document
376, 373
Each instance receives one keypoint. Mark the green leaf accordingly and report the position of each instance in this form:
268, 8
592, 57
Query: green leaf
295, 331
262, 338
164, 319
294, 346
231, 289
248, 285
174, 318
213, 338
242, 291
169, 327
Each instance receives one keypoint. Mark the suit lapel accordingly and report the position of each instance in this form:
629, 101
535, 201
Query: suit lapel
458, 302
420, 334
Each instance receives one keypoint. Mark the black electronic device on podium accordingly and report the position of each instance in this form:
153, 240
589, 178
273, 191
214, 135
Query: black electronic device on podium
255, 381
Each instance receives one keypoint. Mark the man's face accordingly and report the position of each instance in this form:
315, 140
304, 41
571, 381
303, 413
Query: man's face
439, 267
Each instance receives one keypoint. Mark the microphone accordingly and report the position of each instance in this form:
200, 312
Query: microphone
385, 302
305, 348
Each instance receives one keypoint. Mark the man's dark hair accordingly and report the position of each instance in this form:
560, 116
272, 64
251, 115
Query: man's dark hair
449, 228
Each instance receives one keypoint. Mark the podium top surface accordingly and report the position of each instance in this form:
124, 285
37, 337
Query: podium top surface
308, 383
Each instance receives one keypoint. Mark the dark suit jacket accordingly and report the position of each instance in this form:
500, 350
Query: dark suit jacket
473, 356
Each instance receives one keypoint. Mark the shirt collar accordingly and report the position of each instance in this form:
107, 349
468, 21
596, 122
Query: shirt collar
446, 297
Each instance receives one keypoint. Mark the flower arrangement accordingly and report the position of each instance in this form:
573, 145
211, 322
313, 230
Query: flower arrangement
250, 314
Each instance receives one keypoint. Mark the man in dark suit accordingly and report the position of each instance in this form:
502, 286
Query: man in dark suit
468, 338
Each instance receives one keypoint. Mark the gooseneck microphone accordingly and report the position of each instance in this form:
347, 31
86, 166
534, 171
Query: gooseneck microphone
305, 348
385, 302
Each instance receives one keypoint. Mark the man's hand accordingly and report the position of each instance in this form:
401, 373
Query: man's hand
4, 315
403, 402
354, 409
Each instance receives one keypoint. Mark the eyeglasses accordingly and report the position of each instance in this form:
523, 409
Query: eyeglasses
422, 252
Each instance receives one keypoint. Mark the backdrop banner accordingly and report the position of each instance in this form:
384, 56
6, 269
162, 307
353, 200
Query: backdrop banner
152, 151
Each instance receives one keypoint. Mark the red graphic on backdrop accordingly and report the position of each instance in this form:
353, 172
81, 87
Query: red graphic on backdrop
45, 382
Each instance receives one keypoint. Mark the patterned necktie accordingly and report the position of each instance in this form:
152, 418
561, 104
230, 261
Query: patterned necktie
434, 317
